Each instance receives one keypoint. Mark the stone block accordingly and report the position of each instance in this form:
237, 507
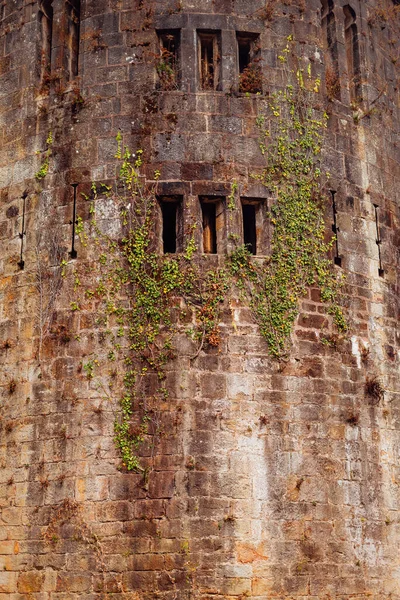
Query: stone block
196, 171
31, 581
115, 511
74, 582
161, 484
213, 385
223, 124
239, 387
8, 581
170, 147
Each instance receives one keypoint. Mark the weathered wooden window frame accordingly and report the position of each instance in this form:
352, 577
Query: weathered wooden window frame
214, 234
209, 64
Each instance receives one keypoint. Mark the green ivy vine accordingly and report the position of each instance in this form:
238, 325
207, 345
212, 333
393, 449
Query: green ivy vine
291, 131
44, 168
138, 291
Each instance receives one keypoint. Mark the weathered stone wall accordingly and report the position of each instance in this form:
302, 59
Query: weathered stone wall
268, 479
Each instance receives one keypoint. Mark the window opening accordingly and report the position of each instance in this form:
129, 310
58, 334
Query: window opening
352, 53
337, 259
332, 61
255, 225
22, 235
73, 254
73, 15
167, 63
171, 224
209, 228
378, 241
244, 46
213, 224
209, 58
45, 17
249, 227
249, 63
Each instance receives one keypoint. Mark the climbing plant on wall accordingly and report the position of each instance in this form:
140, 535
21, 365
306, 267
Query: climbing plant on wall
140, 293
136, 291
291, 136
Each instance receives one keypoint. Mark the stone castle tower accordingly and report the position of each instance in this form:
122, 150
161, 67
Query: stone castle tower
256, 477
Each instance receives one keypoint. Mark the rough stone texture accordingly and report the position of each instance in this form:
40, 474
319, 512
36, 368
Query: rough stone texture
268, 481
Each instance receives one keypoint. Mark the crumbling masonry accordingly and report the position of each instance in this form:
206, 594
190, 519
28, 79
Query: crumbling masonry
260, 478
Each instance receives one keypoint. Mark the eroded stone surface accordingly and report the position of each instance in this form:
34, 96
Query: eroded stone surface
269, 480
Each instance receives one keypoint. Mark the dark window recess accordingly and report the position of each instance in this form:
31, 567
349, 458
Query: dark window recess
244, 45
331, 60
22, 235
171, 224
45, 18
337, 258
381, 270
73, 254
209, 59
167, 63
249, 63
352, 53
256, 225
73, 8
249, 227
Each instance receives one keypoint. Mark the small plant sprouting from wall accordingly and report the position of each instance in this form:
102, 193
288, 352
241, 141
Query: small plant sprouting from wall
383, 14
93, 39
44, 169
137, 290
12, 386
374, 389
167, 69
267, 12
332, 83
251, 80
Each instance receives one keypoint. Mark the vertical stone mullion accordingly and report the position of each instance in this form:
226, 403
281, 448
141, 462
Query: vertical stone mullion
229, 70
188, 60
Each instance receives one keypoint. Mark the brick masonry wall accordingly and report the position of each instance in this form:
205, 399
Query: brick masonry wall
268, 480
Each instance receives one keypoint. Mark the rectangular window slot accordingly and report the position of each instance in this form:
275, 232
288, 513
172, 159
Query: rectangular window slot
22, 235
167, 63
249, 62
249, 227
352, 53
74, 17
171, 211
45, 17
248, 49
213, 223
328, 23
337, 258
255, 226
209, 58
381, 270
209, 228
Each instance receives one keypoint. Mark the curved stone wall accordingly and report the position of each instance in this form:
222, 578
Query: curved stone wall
266, 479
